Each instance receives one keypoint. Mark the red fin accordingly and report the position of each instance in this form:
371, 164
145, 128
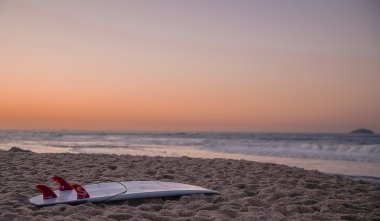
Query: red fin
81, 192
47, 193
63, 184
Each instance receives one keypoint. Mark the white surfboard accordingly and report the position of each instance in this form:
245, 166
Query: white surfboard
114, 191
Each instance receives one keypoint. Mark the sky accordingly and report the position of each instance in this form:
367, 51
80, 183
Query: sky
214, 65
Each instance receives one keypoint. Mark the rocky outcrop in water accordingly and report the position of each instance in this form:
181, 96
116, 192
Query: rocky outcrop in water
362, 131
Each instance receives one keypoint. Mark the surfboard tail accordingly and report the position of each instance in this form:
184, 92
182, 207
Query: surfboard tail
47, 193
63, 184
81, 192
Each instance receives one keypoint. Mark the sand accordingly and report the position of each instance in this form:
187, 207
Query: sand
249, 190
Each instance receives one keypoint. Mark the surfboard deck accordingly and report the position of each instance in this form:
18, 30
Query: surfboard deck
115, 191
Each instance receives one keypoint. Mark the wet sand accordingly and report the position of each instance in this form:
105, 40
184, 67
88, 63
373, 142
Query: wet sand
249, 190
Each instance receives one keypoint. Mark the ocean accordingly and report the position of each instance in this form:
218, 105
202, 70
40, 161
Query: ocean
355, 155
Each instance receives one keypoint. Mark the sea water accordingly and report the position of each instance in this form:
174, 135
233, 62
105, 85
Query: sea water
349, 154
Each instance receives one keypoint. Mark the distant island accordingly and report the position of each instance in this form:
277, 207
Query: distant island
362, 131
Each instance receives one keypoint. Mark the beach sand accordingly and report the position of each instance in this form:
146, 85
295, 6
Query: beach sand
249, 190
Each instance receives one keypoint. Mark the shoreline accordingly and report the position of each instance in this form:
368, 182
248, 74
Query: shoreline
249, 190
355, 169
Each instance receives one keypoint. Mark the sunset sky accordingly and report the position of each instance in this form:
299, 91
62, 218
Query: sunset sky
281, 66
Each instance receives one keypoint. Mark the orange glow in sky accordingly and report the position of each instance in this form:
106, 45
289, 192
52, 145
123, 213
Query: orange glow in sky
303, 66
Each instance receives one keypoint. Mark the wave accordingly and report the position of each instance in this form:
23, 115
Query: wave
316, 146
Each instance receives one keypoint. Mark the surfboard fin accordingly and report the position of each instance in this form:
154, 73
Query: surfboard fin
63, 184
81, 192
47, 193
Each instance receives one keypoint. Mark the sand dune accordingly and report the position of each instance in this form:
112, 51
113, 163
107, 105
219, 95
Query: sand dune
249, 190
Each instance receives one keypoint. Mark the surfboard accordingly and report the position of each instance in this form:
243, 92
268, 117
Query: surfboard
111, 191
